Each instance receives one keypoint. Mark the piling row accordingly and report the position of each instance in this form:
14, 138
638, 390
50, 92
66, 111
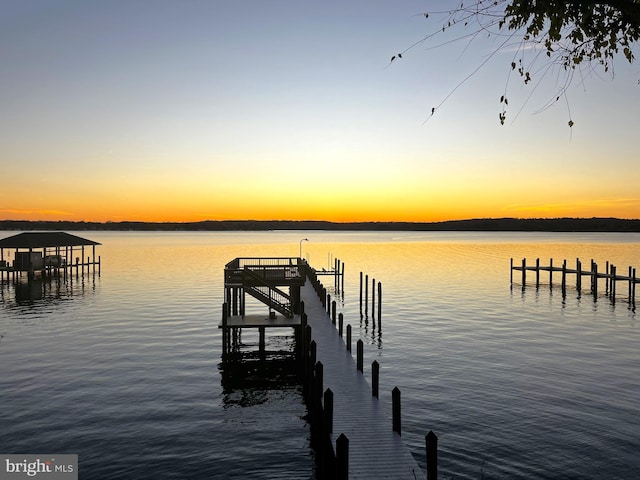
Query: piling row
610, 275
8, 272
364, 300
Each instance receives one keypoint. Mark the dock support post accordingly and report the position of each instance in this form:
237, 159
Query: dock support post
564, 278
594, 279
225, 330
579, 276
511, 270
395, 409
342, 457
551, 273
312, 363
328, 412
333, 312
379, 305
340, 323
524, 271
359, 355
319, 380
262, 340
349, 337
431, 445
612, 280
342, 278
537, 272
373, 301
328, 303
366, 294
360, 293
375, 378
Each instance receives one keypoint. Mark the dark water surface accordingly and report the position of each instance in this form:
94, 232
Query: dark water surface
124, 369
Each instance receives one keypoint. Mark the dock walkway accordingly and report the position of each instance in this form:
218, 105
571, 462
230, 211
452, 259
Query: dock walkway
375, 450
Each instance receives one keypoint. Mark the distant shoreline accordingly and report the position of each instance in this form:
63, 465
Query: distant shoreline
479, 225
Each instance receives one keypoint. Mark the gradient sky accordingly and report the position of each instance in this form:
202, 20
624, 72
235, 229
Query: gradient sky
188, 110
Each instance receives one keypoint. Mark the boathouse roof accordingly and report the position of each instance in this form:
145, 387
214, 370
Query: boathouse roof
43, 240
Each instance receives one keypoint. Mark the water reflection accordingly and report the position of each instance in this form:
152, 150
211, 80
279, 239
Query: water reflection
248, 374
44, 290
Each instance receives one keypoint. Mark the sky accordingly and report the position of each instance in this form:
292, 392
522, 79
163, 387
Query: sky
189, 110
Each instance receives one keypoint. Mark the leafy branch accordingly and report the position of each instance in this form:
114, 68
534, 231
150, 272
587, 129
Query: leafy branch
564, 36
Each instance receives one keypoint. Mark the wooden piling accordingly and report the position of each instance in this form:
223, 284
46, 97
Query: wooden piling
359, 355
225, 330
379, 305
431, 446
328, 411
395, 409
319, 380
511, 271
361, 293
612, 280
373, 300
342, 457
340, 323
375, 378
366, 294
349, 337
578, 275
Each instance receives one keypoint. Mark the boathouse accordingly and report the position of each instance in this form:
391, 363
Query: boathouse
50, 252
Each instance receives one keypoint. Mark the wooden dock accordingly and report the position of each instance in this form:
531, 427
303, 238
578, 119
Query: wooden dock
355, 429
610, 276
376, 451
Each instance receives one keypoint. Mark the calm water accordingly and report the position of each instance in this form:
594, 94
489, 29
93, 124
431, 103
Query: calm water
124, 369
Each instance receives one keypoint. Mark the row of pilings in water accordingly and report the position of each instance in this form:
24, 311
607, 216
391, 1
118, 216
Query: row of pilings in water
610, 276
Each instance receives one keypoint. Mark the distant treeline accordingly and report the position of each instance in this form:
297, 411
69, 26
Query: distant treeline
483, 224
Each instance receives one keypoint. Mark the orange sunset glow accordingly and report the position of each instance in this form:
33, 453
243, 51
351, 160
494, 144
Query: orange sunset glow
115, 112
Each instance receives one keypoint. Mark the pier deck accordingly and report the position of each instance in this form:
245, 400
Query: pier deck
375, 450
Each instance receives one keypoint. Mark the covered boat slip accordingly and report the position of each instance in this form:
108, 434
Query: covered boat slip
46, 252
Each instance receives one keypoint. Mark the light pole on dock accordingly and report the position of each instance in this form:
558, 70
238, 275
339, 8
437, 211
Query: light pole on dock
303, 240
